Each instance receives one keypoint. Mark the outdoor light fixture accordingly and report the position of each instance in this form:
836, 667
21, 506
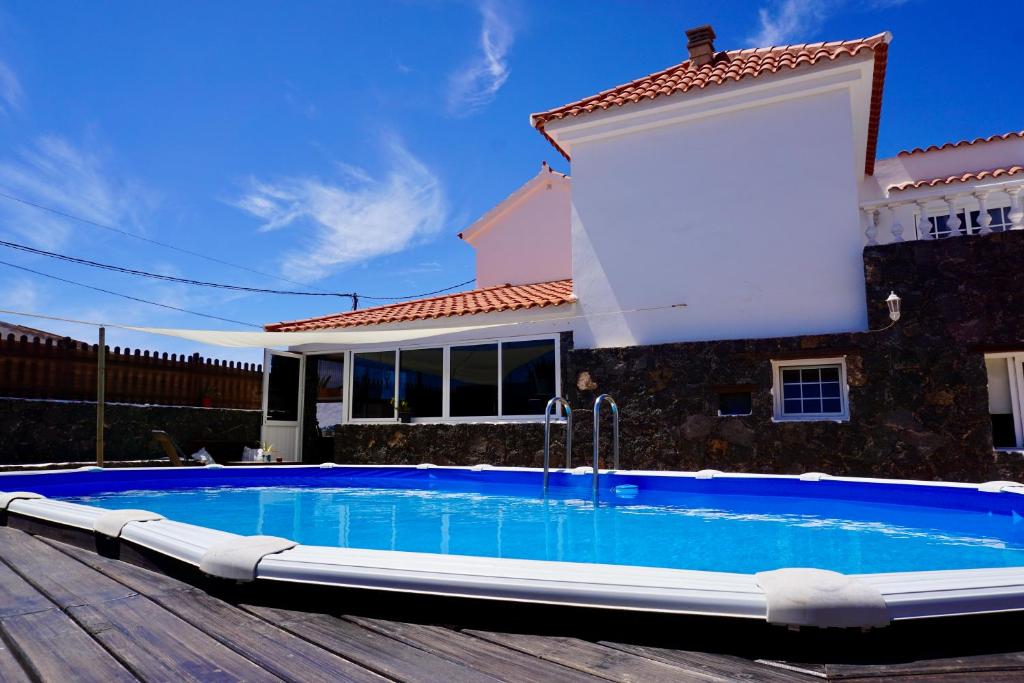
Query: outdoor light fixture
893, 302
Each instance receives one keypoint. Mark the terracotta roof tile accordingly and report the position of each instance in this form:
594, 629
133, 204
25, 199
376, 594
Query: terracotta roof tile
488, 300
962, 178
733, 65
961, 143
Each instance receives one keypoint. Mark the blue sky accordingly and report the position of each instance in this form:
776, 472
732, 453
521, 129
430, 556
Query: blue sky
343, 145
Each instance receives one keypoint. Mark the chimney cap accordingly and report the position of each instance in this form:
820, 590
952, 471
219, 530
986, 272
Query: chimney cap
700, 41
700, 35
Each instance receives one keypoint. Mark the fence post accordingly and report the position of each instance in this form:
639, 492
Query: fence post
101, 372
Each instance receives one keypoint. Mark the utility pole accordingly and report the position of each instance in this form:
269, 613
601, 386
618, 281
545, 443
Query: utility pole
101, 390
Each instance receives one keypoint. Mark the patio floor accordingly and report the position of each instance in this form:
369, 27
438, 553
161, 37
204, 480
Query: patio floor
69, 614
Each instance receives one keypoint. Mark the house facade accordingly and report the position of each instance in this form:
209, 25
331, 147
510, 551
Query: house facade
718, 262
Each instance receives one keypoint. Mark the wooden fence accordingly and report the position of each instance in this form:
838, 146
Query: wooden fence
65, 369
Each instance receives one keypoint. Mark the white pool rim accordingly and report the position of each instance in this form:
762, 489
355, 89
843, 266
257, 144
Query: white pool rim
814, 598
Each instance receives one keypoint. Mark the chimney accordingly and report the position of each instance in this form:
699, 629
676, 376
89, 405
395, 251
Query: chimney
700, 41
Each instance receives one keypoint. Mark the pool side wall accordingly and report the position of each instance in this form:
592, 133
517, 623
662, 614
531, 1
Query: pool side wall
918, 391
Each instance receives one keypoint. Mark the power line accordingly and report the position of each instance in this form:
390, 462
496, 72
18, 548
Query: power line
354, 296
415, 296
165, 278
158, 243
132, 298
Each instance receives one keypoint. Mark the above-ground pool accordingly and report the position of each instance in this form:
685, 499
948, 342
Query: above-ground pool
703, 542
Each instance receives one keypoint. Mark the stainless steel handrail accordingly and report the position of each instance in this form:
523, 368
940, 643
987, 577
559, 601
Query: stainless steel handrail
597, 433
553, 403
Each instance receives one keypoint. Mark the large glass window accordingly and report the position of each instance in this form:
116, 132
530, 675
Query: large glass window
283, 388
474, 380
421, 382
373, 385
330, 391
528, 376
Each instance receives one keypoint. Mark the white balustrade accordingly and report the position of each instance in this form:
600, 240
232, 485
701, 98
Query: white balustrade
972, 211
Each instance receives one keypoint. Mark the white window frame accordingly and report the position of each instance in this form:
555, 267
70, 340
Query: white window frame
1015, 370
810, 363
446, 417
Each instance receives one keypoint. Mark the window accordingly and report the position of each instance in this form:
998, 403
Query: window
938, 226
1005, 379
283, 388
511, 379
421, 381
735, 403
373, 385
810, 390
474, 380
330, 394
528, 376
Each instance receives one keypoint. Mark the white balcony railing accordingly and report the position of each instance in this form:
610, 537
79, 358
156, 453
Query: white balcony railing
967, 211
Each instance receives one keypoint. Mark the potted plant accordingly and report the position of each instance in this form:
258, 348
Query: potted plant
267, 452
403, 410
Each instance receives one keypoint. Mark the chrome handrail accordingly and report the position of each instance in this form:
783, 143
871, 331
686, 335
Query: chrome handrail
557, 401
597, 433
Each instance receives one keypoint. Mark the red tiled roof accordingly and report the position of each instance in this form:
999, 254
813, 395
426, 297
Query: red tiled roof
734, 65
961, 143
963, 178
488, 300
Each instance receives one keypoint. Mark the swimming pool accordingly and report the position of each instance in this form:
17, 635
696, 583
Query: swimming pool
705, 542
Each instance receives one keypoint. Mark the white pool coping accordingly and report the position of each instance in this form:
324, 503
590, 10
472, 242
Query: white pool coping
906, 595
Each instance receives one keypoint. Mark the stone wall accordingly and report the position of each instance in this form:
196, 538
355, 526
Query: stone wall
54, 431
918, 389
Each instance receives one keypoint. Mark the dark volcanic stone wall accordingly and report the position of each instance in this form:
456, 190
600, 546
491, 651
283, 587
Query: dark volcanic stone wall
918, 390
56, 431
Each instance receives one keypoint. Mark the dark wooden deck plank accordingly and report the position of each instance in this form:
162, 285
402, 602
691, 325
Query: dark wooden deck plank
62, 580
289, 657
47, 641
976, 664
499, 661
597, 660
10, 670
150, 641
17, 596
375, 651
729, 667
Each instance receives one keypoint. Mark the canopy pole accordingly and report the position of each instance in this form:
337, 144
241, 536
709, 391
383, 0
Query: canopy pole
101, 391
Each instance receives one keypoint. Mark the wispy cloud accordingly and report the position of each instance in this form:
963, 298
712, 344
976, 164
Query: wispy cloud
74, 179
475, 84
20, 294
790, 20
353, 218
11, 94
793, 21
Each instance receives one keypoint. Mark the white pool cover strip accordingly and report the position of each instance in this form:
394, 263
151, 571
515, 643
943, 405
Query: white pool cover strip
793, 597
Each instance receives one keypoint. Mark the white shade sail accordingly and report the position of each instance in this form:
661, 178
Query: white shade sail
341, 336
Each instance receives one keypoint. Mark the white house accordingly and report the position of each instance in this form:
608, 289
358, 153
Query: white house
727, 197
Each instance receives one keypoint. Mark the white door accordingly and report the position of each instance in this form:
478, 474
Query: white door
283, 380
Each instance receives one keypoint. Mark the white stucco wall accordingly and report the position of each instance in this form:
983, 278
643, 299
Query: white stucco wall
527, 238
748, 217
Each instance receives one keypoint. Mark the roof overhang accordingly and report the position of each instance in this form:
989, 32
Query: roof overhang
862, 73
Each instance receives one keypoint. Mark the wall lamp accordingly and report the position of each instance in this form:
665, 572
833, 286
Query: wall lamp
893, 302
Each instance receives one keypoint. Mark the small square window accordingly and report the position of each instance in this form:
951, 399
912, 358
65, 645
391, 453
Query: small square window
735, 403
810, 390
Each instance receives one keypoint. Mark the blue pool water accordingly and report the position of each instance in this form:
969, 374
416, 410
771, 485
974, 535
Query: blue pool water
719, 525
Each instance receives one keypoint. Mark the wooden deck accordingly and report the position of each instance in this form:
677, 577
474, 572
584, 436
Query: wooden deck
68, 614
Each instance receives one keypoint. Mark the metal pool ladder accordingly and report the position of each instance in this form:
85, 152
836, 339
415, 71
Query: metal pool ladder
597, 433
554, 403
